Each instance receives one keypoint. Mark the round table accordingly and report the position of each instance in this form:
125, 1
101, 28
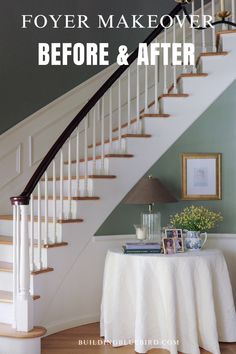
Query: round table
177, 302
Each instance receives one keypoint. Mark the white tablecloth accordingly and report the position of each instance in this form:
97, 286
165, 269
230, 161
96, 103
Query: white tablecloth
176, 302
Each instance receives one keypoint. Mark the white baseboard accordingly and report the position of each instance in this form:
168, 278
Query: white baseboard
59, 326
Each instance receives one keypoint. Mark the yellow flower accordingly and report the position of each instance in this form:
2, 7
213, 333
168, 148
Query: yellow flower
196, 218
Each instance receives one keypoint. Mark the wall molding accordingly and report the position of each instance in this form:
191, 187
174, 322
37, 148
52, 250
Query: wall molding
12, 159
132, 237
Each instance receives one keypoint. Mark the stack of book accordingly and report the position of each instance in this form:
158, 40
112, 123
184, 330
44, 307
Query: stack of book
149, 247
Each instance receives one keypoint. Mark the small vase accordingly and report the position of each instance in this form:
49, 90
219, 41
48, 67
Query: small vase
194, 240
141, 233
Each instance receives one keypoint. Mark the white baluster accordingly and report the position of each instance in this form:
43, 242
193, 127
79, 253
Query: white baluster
233, 12
165, 90
138, 99
119, 113
110, 120
174, 66
46, 207
86, 155
184, 41
129, 100
14, 267
194, 69
203, 31
77, 160
156, 83
32, 266
69, 180
39, 228
146, 88
94, 141
102, 169
24, 299
62, 184
54, 203
214, 49
18, 248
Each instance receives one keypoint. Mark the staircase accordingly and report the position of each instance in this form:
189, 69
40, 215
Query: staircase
47, 250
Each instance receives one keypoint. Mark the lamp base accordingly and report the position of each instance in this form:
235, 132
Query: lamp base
152, 220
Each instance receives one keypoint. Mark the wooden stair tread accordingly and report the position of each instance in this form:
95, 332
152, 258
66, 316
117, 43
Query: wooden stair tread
212, 54
55, 245
6, 267
65, 178
8, 240
107, 156
7, 297
66, 198
6, 330
50, 219
219, 33
192, 75
85, 198
173, 95
123, 136
43, 270
5, 240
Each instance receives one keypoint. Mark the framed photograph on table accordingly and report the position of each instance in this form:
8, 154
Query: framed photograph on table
177, 236
201, 176
168, 245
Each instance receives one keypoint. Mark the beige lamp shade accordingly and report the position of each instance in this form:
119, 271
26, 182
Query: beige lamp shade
149, 190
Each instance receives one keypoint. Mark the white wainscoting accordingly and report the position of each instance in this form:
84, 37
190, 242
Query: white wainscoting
23, 146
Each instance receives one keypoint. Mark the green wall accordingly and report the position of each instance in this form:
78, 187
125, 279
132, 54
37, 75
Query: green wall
214, 131
26, 87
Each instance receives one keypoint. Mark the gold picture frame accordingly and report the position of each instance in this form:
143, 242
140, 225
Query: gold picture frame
201, 176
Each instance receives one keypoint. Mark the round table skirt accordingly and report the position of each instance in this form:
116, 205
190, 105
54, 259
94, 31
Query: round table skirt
178, 302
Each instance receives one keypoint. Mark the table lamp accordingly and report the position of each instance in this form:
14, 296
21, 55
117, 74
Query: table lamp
150, 190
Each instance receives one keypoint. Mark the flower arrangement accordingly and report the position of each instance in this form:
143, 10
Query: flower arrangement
195, 218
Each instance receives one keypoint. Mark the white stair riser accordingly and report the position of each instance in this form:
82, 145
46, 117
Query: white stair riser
228, 42
6, 313
211, 64
74, 208
20, 346
6, 254
6, 229
77, 206
116, 147
100, 167
187, 84
6, 281
84, 186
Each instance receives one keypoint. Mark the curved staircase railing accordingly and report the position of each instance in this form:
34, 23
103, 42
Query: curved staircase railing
81, 152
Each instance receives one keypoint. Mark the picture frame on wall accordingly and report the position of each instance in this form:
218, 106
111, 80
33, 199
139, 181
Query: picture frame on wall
201, 176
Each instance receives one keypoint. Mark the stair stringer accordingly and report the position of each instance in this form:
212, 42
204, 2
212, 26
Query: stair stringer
71, 294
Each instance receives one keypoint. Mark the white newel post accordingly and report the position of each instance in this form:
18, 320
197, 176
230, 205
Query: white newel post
22, 297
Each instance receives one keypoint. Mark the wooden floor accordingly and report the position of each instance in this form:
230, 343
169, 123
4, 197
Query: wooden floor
66, 342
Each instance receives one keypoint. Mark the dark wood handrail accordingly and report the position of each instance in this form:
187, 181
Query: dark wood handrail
24, 198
